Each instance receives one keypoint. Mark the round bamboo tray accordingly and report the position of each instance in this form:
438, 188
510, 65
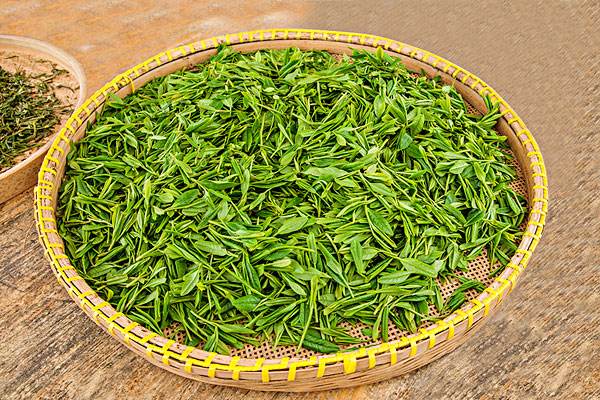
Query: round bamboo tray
280, 369
23, 175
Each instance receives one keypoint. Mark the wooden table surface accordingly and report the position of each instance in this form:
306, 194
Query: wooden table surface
542, 56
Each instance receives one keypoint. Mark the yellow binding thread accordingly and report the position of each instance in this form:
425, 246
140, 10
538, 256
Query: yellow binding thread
299, 364
126, 330
413, 347
264, 373
188, 361
165, 351
235, 372
431, 335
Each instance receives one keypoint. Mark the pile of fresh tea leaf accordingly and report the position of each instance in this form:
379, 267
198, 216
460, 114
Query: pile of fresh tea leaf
29, 110
276, 195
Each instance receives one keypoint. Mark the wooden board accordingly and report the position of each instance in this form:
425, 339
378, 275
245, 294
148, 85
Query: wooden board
544, 341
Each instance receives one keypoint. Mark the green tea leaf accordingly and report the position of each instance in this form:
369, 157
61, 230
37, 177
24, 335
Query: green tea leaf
326, 173
292, 225
356, 250
185, 198
414, 266
190, 280
394, 278
405, 141
210, 247
378, 223
246, 303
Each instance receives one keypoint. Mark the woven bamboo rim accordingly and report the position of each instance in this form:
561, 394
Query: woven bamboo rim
367, 364
23, 175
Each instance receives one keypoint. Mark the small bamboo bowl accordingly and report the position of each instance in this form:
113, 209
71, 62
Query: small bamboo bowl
260, 368
23, 175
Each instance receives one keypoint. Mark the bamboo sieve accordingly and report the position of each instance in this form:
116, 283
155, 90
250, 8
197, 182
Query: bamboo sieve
281, 368
22, 175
